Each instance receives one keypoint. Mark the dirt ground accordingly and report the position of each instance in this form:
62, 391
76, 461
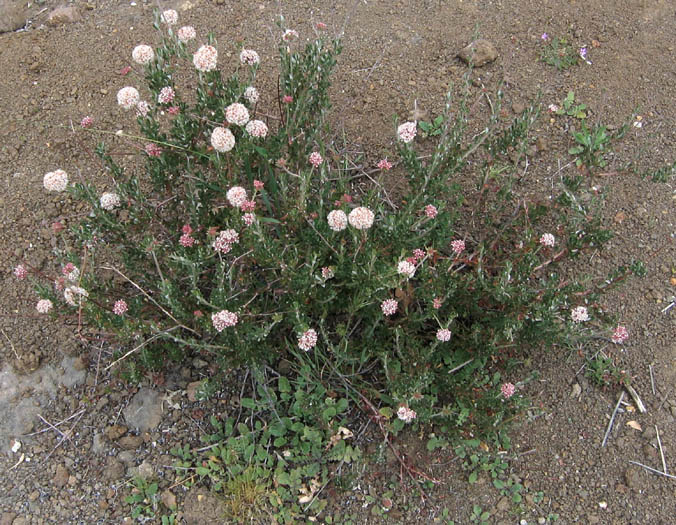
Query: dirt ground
398, 55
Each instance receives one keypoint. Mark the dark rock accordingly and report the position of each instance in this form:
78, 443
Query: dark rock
479, 53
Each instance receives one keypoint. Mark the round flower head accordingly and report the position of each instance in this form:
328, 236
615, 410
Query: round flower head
251, 95
458, 246
223, 319
384, 165
128, 97
169, 17
186, 34
226, 238
249, 57
120, 307
547, 239
407, 131
55, 180
142, 109
205, 58
71, 272
257, 128
315, 159
143, 54
579, 314
166, 95
70, 293
44, 306
431, 211
361, 218
443, 335
328, 273
620, 335
290, 34
186, 240
249, 218
507, 390
406, 414
236, 196
308, 340
337, 220
86, 122
437, 303
20, 272
389, 306
406, 268
222, 139
110, 201
237, 114
153, 150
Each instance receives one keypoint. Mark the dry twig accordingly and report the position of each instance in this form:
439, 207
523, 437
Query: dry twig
612, 419
652, 469
659, 442
636, 398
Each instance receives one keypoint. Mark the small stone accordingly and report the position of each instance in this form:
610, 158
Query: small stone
503, 505
576, 391
632, 478
115, 432
146, 470
61, 477
130, 442
168, 499
144, 412
192, 390
7, 518
518, 107
114, 470
12, 17
63, 15
479, 53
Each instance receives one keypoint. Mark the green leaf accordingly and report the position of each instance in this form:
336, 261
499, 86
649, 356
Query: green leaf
202, 471
284, 385
498, 484
328, 413
247, 402
386, 412
473, 477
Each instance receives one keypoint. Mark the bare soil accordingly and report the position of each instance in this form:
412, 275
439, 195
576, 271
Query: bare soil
398, 56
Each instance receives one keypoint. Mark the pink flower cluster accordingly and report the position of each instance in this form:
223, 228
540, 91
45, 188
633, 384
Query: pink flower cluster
257, 128
507, 390
458, 246
166, 95
327, 272
620, 335
389, 306
226, 238
142, 109
315, 159
249, 57
249, 218
153, 150
436, 303
431, 211
290, 34
547, 239
186, 240
406, 414
44, 306
308, 340
120, 307
20, 272
443, 335
71, 272
406, 268
384, 165
86, 122
407, 131
223, 319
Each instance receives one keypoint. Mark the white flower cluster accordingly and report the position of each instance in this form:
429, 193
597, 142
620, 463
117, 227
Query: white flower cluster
308, 340
406, 268
361, 218
70, 293
109, 201
407, 131
237, 114
236, 196
337, 220
251, 95
44, 306
186, 34
222, 139
169, 17
223, 319
55, 180
128, 97
249, 57
257, 128
143, 54
205, 58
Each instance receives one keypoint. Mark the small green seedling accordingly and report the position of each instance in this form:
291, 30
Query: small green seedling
591, 146
568, 107
558, 52
431, 129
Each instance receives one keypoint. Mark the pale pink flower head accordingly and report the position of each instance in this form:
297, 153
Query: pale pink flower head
337, 220
257, 128
418, 254
166, 95
289, 35
406, 414
384, 165
143, 54
315, 159
443, 335
327, 272
187, 229
620, 335
436, 303
237, 114
44, 306
109, 201
389, 306
205, 58
142, 109
307, 340
174, 110
507, 390
248, 206
431, 211
579, 314
251, 95
458, 246
223, 319
547, 239
552, 108
406, 268
222, 139
236, 196
20, 272
128, 97
120, 307
249, 57
55, 181
186, 240
169, 17
361, 218
258, 184
86, 122
226, 238
153, 150
321, 26
287, 99
72, 292
249, 218
407, 131
186, 34
71, 272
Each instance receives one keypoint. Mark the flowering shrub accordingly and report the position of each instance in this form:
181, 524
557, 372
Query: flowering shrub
241, 238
